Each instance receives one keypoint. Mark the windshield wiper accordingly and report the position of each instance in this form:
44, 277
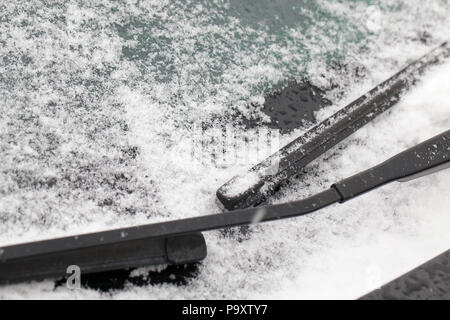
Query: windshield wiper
259, 182
181, 241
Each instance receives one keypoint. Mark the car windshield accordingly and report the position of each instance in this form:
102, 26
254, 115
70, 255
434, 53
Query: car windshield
119, 113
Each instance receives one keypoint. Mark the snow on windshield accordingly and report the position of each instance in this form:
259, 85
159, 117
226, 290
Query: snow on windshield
113, 113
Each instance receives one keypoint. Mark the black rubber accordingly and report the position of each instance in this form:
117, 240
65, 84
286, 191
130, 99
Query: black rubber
292, 158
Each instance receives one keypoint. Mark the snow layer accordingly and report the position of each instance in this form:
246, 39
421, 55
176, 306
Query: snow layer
111, 113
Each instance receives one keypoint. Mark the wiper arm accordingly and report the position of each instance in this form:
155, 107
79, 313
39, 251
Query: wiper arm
181, 241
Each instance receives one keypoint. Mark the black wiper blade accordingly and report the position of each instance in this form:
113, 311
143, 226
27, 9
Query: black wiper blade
254, 186
181, 241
